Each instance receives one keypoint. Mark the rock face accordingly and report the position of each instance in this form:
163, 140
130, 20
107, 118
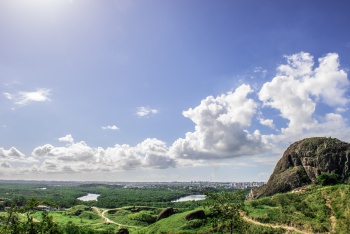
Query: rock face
197, 214
303, 162
165, 213
123, 231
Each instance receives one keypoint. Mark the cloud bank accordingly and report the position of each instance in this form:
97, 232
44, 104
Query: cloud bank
79, 157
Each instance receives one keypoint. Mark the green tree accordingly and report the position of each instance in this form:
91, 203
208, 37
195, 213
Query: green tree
225, 209
30, 209
328, 179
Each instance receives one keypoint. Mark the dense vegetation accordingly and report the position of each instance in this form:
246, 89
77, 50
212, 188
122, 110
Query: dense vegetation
111, 196
311, 209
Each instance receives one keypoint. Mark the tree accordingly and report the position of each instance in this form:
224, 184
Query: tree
225, 209
328, 179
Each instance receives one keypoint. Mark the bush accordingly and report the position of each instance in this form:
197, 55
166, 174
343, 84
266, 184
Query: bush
143, 216
328, 179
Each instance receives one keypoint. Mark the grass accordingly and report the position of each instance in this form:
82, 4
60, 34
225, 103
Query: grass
310, 210
177, 224
88, 218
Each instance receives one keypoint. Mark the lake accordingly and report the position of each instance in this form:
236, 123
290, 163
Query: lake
190, 198
89, 197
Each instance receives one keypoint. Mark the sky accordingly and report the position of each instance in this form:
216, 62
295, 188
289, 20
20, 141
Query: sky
200, 90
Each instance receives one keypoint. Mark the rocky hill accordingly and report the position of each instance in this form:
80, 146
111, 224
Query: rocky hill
303, 162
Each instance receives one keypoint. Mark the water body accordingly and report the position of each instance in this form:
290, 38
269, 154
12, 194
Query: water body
190, 198
89, 197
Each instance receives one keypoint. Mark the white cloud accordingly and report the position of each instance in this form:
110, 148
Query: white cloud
110, 127
11, 153
68, 138
79, 151
297, 88
8, 96
341, 109
24, 98
5, 165
145, 111
79, 157
220, 130
267, 122
260, 70
151, 153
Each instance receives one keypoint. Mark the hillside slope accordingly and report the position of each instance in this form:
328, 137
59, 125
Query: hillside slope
311, 209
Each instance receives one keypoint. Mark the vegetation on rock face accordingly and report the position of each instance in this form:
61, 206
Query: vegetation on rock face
303, 162
328, 179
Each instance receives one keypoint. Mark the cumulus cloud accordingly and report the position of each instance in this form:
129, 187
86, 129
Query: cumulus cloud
79, 151
68, 138
78, 157
151, 153
297, 88
267, 122
24, 98
5, 165
11, 153
340, 109
221, 125
110, 127
145, 111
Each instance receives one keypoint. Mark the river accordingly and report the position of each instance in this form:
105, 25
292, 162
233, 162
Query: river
89, 197
190, 198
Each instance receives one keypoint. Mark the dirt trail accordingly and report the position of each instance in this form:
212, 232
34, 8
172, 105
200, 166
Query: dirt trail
246, 218
107, 220
332, 217
34, 219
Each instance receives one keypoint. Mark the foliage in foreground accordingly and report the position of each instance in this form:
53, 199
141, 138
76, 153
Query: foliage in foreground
224, 210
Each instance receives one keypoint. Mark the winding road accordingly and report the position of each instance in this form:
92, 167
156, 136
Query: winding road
275, 226
107, 220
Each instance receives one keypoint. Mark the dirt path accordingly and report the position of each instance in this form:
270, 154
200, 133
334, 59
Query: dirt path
247, 219
107, 220
34, 219
332, 217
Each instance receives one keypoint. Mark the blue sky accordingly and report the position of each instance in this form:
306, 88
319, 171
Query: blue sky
122, 90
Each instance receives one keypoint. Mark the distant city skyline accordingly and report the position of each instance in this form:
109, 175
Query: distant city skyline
121, 90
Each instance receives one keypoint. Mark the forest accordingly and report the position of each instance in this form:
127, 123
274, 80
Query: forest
111, 196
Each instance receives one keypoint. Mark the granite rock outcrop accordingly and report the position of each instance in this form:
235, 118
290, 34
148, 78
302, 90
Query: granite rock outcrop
303, 162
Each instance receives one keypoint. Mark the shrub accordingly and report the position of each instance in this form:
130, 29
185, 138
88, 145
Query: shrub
328, 179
